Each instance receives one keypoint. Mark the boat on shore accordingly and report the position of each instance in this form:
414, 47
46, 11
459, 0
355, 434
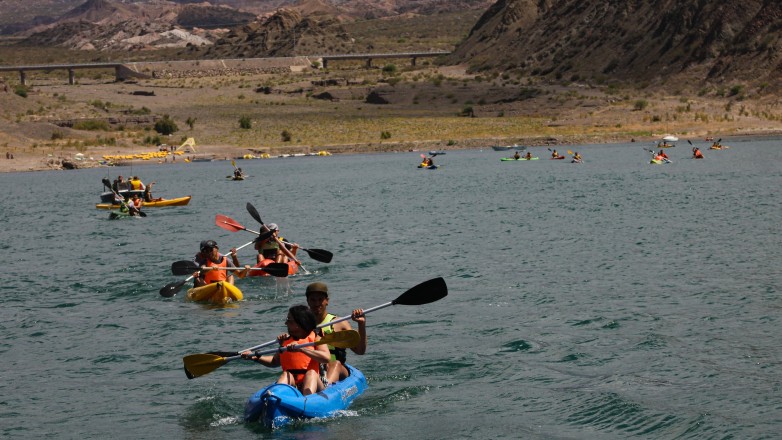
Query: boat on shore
179, 201
501, 147
278, 405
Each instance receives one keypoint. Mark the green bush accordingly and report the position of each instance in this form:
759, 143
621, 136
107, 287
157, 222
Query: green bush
245, 123
385, 135
286, 136
166, 126
92, 125
640, 104
21, 90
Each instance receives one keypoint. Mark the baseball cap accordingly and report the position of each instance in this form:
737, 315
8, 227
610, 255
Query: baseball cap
317, 287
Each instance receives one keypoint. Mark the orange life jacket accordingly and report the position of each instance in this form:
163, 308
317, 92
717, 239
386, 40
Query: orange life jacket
214, 276
298, 363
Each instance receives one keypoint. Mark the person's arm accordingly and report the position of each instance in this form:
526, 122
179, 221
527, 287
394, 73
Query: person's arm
361, 320
267, 361
319, 353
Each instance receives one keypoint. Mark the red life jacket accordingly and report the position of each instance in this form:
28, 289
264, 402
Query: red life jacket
298, 363
214, 276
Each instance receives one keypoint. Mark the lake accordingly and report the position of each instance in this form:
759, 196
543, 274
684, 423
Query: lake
607, 299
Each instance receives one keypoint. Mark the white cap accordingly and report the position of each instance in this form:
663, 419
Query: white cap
272, 227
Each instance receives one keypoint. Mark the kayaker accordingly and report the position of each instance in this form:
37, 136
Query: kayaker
318, 301
134, 205
148, 194
696, 153
300, 366
516, 155
269, 248
662, 155
120, 184
136, 184
210, 258
528, 156
576, 157
554, 154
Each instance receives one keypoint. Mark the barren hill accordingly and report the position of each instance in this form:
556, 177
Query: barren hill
635, 40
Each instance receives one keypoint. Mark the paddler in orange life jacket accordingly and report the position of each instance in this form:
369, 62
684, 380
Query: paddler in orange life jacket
696, 153
318, 301
269, 247
300, 365
661, 155
210, 259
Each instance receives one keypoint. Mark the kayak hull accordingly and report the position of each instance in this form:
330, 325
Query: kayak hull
293, 268
179, 201
558, 158
278, 405
521, 159
215, 293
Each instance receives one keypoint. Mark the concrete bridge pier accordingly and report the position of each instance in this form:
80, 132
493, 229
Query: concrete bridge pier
369, 63
22, 79
412, 61
71, 77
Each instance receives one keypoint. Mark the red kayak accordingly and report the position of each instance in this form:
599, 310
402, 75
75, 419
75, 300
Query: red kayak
292, 268
558, 158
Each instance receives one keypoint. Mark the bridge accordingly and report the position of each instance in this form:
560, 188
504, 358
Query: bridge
373, 56
120, 70
131, 69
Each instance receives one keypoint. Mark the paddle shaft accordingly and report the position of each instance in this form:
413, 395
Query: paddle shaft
326, 324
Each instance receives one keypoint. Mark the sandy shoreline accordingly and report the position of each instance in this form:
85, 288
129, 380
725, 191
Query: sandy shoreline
25, 161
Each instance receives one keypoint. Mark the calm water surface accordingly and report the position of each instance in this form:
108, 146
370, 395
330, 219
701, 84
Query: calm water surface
612, 299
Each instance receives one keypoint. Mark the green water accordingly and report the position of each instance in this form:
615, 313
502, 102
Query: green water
607, 299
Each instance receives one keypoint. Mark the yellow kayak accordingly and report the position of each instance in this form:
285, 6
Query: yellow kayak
215, 293
179, 201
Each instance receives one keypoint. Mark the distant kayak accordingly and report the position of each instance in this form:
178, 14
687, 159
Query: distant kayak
180, 201
659, 162
558, 158
116, 215
521, 159
430, 167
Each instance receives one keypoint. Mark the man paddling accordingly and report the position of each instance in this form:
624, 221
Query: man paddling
209, 258
318, 301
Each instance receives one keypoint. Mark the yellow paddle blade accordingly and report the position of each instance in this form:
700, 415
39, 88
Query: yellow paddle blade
197, 365
233, 163
569, 152
341, 339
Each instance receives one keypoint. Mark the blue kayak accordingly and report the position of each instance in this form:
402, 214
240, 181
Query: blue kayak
277, 404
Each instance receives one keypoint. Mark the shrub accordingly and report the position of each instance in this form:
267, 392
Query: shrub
166, 126
91, 125
640, 104
21, 90
286, 136
245, 123
385, 135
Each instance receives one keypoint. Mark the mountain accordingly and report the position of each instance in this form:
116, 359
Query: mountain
633, 40
20, 15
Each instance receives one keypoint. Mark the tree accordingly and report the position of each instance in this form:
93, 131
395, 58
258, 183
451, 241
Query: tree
245, 123
166, 126
190, 122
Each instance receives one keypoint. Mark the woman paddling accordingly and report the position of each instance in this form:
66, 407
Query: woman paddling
300, 365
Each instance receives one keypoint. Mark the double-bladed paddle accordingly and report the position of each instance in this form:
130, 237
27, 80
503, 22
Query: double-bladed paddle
200, 364
254, 214
232, 225
423, 293
171, 289
184, 267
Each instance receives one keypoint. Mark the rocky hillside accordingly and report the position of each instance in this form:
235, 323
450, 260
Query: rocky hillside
634, 40
285, 33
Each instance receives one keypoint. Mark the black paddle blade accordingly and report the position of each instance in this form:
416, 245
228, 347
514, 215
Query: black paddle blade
107, 184
321, 255
184, 267
688, 141
142, 214
277, 269
254, 213
424, 293
171, 289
